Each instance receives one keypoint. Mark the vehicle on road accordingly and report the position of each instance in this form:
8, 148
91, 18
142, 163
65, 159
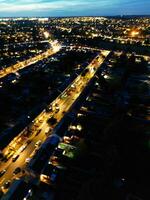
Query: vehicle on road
57, 108
38, 143
73, 87
23, 147
8, 155
48, 129
34, 152
41, 120
38, 132
63, 96
2, 172
27, 160
49, 109
29, 141
15, 157
52, 121
17, 170
6, 185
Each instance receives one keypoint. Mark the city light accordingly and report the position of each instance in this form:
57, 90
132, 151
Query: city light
105, 76
55, 45
66, 83
134, 33
46, 34
79, 127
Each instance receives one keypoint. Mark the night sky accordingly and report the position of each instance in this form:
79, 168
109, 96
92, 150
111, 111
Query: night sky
73, 7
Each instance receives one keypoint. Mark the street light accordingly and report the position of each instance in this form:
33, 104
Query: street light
46, 34
105, 76
134, 33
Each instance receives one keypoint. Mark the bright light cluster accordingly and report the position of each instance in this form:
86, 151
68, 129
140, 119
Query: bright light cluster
134, 33
46, 34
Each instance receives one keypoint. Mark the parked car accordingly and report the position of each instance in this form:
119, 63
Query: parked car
2, 172
17, 170
15, 157
27, 160
37, 133
38, 143
29, 141
6, 184
9, 155
23, 147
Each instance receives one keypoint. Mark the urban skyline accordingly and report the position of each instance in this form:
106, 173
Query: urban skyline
54, 8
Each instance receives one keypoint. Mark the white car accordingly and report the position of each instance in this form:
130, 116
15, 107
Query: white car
27, 160
22, 148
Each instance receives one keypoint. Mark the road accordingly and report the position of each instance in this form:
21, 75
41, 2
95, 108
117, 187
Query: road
40, 123
26, 42
81, 47
55, 47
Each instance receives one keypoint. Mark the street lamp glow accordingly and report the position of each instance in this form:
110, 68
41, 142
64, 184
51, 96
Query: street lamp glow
79, 127
134, 33
46, 34
55, 45
91, 70
105, 76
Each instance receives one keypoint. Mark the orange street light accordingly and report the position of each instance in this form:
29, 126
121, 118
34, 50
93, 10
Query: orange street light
134, 33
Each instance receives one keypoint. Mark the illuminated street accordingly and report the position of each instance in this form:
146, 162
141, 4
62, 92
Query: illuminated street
74, 100
64, 105
55, 47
